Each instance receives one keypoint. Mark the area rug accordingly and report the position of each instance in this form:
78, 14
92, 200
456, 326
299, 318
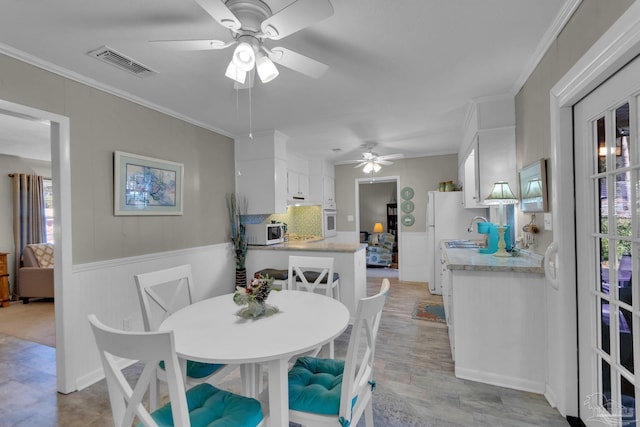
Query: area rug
429, 311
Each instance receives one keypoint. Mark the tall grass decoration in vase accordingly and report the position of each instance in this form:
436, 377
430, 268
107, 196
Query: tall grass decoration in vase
237, 206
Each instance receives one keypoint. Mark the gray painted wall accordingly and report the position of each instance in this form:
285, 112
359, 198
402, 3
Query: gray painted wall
420, 173
101, 123
533, 129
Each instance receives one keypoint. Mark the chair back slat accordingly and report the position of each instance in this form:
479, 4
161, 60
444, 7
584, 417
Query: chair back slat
358, 369
298, 265
148, 348
162, 293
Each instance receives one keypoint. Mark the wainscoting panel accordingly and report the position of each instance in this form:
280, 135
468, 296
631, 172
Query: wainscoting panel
107, 289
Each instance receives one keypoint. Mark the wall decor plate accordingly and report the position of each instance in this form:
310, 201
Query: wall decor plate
406, 193
408, 220
407, 206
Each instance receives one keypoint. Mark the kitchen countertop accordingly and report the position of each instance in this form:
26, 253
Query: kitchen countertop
471, 259
313, 245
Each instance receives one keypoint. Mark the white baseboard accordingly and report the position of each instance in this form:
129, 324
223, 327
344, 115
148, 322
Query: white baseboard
500, 380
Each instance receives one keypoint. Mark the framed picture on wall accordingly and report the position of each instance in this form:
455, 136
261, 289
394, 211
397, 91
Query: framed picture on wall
146, 186
533, 187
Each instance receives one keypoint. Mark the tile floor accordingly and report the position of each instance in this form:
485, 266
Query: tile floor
414, 367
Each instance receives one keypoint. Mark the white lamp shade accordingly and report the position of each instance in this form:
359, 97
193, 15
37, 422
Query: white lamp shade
235, 74
266, 69
244, 57
501, 194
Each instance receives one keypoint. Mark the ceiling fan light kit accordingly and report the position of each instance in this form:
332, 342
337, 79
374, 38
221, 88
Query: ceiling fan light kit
235, 74
267, 70
244, 57
251, 22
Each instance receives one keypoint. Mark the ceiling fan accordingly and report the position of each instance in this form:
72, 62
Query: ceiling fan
251, 22
372, 161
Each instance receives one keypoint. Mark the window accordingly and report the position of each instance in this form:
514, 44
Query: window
47, 191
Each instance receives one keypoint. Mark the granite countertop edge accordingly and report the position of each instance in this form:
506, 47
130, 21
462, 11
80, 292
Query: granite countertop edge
314, 245
472, 260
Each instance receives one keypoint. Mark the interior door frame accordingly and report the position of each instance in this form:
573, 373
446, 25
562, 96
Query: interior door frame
379, 180
61, 175
619, 45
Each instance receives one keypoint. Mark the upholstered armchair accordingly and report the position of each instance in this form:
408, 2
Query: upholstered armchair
36, 273
380, 254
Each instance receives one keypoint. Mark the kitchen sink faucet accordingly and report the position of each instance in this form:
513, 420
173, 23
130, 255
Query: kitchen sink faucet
474, 219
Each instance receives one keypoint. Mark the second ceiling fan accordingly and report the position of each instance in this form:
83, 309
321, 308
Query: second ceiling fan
251, 22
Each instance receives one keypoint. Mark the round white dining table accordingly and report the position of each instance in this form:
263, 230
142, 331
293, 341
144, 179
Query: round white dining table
209, 331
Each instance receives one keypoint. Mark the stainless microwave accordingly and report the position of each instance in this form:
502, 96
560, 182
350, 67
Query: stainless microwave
264, 234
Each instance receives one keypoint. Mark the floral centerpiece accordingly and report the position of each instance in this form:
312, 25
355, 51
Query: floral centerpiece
254, 295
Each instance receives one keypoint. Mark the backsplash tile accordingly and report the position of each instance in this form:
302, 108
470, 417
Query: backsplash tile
299, 219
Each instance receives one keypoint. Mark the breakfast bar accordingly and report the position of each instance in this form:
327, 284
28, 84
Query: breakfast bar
496, 312
350, 263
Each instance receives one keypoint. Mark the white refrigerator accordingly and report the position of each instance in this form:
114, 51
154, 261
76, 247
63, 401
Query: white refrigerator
447, 219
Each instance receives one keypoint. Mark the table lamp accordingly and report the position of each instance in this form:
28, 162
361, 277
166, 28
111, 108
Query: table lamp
500, 195
377, 228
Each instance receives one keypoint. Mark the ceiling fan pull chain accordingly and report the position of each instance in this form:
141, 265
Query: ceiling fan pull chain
250, 117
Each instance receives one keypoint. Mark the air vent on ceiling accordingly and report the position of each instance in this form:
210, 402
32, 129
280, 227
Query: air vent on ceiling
110, 56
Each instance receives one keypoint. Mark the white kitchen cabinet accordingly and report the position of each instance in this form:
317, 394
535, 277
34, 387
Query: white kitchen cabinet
329, 190
447, 299
491, 158
261, 169
297, 185
322, 183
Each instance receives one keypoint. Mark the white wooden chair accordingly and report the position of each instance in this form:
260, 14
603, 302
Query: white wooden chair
308, 273
209, 403
312, 381
162, 293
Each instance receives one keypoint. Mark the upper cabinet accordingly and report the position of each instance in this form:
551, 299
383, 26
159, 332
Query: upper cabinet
489, 150
297, 185
297, 177
329, 190
261, 172
322, 183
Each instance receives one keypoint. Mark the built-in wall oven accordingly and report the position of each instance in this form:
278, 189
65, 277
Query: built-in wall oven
329, 223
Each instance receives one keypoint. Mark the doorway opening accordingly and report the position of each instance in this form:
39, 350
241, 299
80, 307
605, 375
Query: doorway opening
377, 224
61, 177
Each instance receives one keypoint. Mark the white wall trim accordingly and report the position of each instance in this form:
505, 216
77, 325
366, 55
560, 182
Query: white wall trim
547, 39
615, 48
499, 380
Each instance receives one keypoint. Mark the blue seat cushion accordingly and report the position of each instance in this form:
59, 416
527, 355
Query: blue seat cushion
198, 369
212, 407
314, 385
312, 276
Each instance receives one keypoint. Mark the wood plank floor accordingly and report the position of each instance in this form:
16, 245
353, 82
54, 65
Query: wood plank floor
414, 373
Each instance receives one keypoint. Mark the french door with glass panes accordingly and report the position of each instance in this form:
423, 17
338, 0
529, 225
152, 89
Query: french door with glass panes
607, 184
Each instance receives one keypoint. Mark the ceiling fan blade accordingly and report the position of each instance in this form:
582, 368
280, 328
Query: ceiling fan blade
391, 156
221, 13
348, 162
369, 155
360, 165
193, 44
295, 17
297, 62
382, 162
